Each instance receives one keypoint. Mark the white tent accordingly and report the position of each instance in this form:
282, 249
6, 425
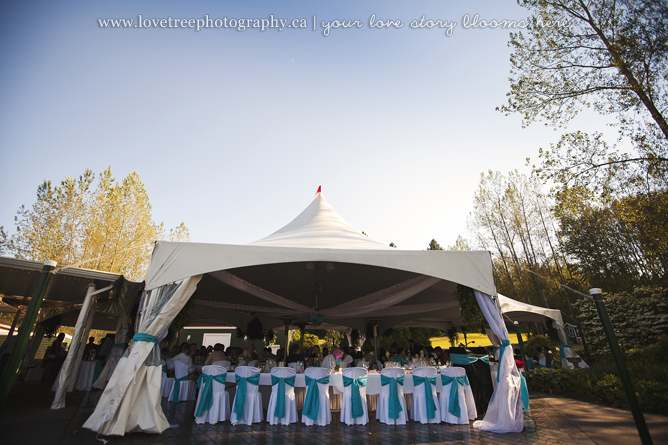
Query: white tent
518, 311
315, 268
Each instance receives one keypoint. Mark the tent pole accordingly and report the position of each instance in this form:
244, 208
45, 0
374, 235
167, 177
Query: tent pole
375, 341
287, 342
519, 340
584, 343
9, 376
16, 319
645, 438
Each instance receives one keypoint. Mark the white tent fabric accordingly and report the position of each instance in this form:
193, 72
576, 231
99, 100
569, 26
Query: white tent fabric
317, 264
518, 311
504, 412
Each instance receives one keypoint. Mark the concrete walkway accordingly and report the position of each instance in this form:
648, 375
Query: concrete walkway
552, 420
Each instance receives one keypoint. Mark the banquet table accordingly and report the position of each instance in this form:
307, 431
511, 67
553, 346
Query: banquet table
88, 373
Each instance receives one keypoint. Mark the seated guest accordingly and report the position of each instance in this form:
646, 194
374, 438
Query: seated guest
217, 355
193, 349
294, 356
346, 356
183, 357
173, 352
401, 357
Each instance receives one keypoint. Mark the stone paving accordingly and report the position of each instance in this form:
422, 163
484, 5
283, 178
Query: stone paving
551, 421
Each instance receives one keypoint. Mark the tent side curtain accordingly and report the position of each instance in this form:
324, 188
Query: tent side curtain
504, 412
131, 400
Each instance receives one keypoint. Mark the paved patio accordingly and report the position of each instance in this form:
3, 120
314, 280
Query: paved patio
552, 420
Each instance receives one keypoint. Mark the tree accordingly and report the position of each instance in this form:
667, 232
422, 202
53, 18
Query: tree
461, 244
639, 318
610, 56
433, 245
108, 227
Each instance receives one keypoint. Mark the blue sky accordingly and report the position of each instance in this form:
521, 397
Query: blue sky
232, 132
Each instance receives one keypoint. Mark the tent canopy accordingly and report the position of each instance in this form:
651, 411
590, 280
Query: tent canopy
66, 291
319, 264
518, 311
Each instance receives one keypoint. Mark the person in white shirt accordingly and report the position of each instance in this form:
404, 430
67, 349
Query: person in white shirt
217, 354
185, 358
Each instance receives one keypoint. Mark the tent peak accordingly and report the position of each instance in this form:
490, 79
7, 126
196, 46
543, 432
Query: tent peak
320, 226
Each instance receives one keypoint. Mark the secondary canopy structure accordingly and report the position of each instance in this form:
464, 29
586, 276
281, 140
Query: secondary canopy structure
315, 269
518, 311
83, 298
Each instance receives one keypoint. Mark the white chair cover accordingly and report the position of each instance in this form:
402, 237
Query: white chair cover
324, 411
292, 365
346, 406
188, 387
167, 382
290, 403
419, 404
383, 406
343, 364
358, 362
465, 395
224, 363
252, 363
414, 365
253, 404
220, 408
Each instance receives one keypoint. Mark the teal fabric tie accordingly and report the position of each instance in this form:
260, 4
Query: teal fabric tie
205, 385
145, 337
454, 408
524, 393
463, 359
394, 405
428, 394
164, 369
355, 396
279, 411
312, 400
562, 353
98, 369
240, 399
504, 345
117, 345
176, 392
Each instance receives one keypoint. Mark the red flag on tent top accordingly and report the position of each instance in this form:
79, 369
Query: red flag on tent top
319, 189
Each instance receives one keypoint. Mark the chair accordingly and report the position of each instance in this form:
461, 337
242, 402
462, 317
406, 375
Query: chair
184, 388
391, 407
247, 406
316, 389
353, 409
457, 404
167, 382
342, 364
425, 406
358, 362
213, 402
252, 363
282, 405
224, 363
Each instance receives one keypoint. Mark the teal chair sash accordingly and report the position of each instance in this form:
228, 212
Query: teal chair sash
312, 400
164, 369
205, 386
428, 394
454, 408
176, 392
355, 396
504, 345
463, 359
279, 411
240, 398
394, 405
524, 393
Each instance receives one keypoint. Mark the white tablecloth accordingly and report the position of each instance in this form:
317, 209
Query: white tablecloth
84, 379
